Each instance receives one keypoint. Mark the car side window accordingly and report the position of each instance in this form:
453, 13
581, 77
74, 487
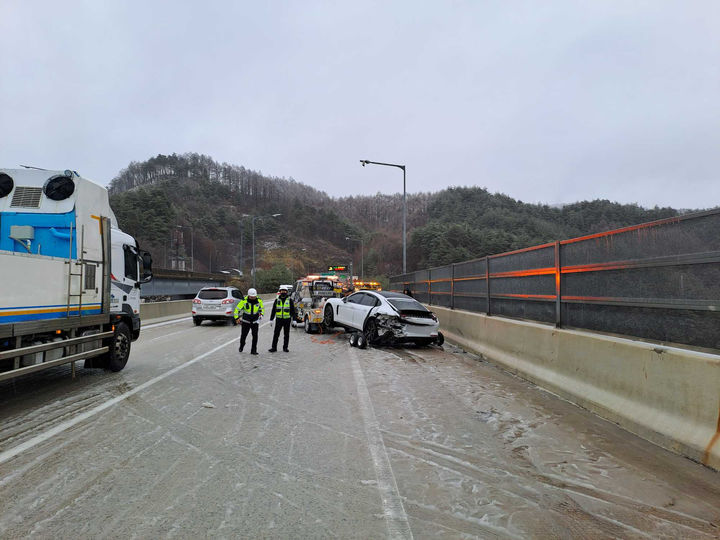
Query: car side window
369, 300
237, 294
355, 298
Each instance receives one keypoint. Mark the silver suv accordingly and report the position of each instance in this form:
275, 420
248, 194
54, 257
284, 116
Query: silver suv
215, 304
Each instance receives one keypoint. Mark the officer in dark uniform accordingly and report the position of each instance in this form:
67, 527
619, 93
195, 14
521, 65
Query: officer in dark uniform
284, 311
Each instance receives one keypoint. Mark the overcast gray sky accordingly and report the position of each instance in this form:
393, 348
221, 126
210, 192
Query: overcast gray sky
548, 101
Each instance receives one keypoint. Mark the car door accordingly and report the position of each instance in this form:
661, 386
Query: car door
367, 302
346, 311
237, 296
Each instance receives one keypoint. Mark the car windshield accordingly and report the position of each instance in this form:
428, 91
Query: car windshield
406, 304
212, 294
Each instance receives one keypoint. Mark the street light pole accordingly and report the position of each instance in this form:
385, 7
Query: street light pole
242, 234
362, 256
404, 233
192, 245
253, 250
253, 241
362, 259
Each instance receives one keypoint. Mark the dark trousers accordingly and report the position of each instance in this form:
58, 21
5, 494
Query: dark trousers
246, 327
283, 324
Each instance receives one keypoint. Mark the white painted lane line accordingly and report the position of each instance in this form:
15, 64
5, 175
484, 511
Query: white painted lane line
395, 516
174, 321
166, 335
22, 447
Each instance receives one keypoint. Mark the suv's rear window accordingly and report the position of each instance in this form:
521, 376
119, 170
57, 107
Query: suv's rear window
212, 294
406, 304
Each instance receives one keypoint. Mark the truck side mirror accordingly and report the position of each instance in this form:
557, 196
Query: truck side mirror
146, 260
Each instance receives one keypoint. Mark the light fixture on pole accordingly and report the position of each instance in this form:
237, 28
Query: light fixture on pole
362, 255
404, 235
253, 241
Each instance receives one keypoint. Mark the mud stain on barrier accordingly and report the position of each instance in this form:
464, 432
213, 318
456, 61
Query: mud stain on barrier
708, 449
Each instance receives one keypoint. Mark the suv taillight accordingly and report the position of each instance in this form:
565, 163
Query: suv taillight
197, 301
227, 301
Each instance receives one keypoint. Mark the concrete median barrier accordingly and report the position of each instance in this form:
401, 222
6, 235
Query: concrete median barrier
158, 310
667, 395
183, 308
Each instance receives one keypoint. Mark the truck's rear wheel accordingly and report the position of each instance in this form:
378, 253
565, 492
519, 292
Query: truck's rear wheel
119, 348
329, 320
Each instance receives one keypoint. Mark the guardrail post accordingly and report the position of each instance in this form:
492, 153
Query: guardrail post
429, 287
452, 286
558, 274
487, 284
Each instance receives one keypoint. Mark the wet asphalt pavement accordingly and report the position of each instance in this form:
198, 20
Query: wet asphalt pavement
194, 440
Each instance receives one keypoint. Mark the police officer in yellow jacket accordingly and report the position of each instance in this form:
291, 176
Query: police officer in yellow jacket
251, 308
284, 311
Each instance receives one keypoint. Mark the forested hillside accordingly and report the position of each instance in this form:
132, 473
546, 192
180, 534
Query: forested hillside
465, 223
178, 203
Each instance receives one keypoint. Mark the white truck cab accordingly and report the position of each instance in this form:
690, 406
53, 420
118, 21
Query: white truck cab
66, 273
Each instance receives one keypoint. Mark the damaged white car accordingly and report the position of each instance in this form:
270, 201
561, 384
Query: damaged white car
383, 318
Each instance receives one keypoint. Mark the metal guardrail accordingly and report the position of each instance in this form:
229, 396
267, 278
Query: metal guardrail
658, 280
65, 345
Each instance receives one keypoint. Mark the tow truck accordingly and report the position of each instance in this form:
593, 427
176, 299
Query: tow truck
309, 296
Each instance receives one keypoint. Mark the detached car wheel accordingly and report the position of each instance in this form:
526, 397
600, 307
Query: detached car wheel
362, 341
353, 340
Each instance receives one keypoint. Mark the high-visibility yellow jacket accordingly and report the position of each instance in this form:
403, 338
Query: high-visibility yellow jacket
283, 309
251, 311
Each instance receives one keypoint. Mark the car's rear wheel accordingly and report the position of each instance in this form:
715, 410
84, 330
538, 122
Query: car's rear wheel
371, 331
197, 321
329, 320
440, 339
